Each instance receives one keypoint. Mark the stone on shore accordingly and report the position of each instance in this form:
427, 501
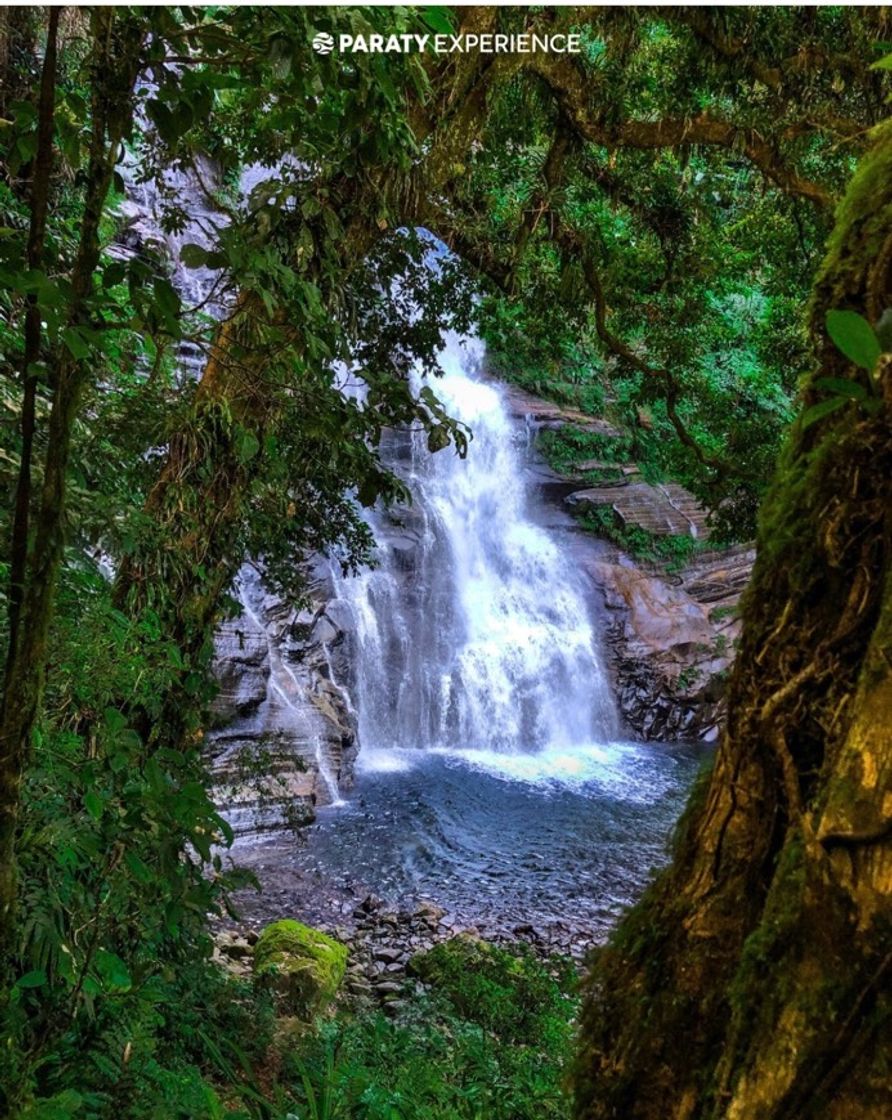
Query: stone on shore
303, 966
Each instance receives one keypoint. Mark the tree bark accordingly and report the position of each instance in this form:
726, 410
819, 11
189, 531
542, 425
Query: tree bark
752, 981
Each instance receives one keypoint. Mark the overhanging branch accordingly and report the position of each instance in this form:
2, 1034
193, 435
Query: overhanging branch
569, 86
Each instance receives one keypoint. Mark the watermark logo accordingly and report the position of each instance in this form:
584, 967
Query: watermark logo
524, 43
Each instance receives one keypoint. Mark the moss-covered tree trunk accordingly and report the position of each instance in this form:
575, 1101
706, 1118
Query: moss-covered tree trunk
754, 980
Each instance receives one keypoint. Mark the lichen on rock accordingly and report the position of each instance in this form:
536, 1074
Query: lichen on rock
304, 966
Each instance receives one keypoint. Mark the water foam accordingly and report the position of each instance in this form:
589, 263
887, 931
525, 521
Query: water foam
474, 634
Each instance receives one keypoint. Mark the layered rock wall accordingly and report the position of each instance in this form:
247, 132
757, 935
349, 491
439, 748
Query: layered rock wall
285, 738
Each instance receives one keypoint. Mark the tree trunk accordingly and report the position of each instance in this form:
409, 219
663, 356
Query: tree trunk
117, 45
40, 193
752, 981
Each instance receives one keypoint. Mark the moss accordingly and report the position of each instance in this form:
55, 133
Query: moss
858, 209
305, 966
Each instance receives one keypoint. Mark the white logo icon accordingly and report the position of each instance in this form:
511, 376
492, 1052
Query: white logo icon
323, 43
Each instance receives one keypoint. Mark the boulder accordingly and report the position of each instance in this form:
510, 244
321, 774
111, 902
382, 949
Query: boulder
303, 966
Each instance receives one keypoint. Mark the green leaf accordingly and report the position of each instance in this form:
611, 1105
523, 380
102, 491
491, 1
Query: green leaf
139, 869
34, 979
193, 256
164, 120
368, 491
167, 297
854, 337
840, 386
113, 274
247, 446
823, 408
437, 19
93, 804
883, 63
76, 342
114, 720
438, 438
112, 971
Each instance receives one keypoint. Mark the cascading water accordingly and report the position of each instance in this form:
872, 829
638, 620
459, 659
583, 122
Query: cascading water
473, 633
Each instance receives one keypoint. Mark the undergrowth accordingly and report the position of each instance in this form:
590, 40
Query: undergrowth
568, 446
488, 1040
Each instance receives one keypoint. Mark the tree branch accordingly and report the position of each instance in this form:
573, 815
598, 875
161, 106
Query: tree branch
569, 86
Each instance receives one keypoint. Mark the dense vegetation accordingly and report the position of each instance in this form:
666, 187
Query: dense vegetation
488, 1037
643, 222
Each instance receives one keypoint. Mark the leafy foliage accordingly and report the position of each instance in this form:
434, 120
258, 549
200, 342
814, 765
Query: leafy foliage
490, 1039
646, 218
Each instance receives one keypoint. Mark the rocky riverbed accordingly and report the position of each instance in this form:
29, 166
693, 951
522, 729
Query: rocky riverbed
382, 941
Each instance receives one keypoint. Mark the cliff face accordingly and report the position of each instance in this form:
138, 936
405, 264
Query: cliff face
673, 640
285, 739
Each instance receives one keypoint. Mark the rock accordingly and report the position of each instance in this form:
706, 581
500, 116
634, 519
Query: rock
232, 944
672, 638
429, 913
388, 955
548, 415
237, 967
663, 509
304, 966
388, 987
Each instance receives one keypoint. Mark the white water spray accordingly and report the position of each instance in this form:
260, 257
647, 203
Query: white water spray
474, 632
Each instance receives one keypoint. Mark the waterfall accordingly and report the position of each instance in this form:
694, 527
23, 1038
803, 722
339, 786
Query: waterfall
474, 631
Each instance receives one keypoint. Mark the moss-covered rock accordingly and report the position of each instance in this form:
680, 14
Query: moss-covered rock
304, 966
